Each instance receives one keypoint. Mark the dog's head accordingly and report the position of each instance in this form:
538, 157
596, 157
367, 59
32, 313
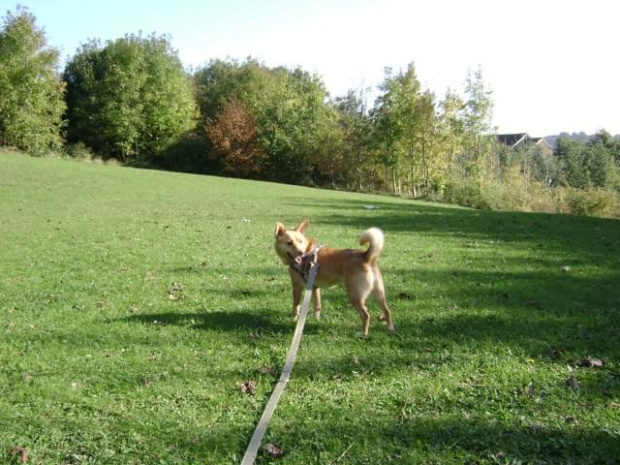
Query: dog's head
291, 244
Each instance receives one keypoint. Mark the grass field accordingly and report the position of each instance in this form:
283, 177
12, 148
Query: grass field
133, 304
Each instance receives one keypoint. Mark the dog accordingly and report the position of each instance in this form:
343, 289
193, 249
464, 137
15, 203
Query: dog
358, 270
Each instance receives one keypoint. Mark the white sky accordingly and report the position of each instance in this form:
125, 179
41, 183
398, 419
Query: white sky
552, 65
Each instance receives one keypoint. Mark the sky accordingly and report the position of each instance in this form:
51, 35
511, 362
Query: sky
551, 65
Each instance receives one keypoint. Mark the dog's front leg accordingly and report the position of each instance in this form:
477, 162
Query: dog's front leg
316, 295
298, 287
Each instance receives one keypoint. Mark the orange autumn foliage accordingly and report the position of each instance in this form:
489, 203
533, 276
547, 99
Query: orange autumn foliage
234, 135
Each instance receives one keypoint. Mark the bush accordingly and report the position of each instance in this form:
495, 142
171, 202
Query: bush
188, 154
78, 151
465, 194
537, 198
592, 202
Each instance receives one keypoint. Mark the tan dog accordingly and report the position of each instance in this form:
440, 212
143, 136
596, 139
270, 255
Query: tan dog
357, 268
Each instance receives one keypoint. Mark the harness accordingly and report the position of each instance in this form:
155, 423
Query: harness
305, 262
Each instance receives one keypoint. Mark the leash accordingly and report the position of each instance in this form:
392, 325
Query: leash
261, 428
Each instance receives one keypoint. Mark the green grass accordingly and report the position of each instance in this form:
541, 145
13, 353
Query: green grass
494, 312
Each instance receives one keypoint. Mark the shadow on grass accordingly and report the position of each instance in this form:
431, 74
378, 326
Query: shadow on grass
535, 309
547, 314
473, 440
219, 320
570, 232
410, 438
533, 297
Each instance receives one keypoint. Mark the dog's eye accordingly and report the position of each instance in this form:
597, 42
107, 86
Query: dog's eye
289, 243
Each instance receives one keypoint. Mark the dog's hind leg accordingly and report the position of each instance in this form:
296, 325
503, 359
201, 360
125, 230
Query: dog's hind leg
379, 295
358, 304
359, 286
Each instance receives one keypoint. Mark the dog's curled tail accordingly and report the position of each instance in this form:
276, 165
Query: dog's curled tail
374, 236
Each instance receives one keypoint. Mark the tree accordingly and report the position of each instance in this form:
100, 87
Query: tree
572, 161
234, 136
220, 81
356, 128
478, 143
545, 167
406, 124
130, 99
292, 114
289, 107
430, 150
599, 160
31, 91
451, 133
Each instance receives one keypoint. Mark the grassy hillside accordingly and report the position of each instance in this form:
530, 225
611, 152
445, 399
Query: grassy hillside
133, 304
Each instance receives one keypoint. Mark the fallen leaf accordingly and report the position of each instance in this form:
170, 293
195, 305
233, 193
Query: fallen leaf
249, 387
267, 370
592, 363
274, 450
529, 390
22, 452
176, 291
26, 377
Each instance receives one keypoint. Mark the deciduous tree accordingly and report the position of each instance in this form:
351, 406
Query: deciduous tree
130, 99
31, 91
234, 136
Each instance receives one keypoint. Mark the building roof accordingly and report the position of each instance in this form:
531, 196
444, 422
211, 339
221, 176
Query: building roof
522, 139
512, 140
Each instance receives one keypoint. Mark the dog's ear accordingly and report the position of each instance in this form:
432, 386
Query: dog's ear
280, 228
301, 227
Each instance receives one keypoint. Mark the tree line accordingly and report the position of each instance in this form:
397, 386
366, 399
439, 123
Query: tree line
130, 99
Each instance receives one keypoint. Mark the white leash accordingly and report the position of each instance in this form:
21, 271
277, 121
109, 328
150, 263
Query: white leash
261, 428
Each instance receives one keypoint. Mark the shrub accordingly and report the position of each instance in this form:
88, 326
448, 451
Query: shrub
78, 151
593, 202
465, 194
